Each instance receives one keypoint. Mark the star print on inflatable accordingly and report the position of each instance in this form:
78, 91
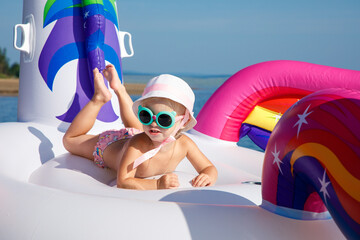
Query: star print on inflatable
302, 119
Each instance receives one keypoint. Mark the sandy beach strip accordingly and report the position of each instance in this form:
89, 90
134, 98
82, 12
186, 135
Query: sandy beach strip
135, 88
10, 87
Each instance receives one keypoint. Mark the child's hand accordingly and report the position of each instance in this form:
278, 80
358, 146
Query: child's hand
169, 180
202, 180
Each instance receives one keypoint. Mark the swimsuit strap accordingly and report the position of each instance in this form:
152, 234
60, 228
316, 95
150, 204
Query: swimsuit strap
153, 152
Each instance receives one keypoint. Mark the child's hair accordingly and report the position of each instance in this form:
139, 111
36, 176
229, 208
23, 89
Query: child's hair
178, 108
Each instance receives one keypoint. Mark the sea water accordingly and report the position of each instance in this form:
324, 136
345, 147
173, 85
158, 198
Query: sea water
203, 86
8, 109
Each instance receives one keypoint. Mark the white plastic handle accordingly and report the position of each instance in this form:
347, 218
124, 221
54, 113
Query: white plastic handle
124, 53
25, 31
28, 38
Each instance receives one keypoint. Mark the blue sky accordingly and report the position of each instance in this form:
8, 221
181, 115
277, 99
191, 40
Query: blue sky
222, 37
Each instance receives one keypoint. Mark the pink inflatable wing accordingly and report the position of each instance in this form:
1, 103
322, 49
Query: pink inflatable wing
230, 105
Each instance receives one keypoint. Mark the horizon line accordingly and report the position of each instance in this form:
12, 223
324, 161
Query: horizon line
199, 75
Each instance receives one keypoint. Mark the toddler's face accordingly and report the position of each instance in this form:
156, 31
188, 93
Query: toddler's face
155, 132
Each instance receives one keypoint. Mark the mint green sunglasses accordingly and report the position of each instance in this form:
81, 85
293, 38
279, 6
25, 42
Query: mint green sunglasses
164, 119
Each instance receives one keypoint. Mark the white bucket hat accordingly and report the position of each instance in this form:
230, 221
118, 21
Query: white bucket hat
173, 88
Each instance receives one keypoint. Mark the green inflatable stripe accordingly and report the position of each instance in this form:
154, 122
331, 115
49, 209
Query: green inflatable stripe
47, 7
89, 2
50, 3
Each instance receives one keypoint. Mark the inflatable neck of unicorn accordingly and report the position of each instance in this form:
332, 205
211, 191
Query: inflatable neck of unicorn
62, 41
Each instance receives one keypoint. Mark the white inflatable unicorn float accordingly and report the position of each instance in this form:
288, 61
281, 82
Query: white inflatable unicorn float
305, 186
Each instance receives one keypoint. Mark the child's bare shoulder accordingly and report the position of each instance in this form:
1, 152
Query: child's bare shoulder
141, 142
186, 141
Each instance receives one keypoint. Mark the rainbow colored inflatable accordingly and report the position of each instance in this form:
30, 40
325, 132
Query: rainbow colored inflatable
257, 96
306, 116
312, 160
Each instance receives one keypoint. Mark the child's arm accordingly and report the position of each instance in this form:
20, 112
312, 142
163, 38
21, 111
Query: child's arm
126, 174
207, 171
125, 102
127, 115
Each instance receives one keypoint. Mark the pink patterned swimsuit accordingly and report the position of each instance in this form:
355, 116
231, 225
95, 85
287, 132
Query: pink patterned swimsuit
108, 137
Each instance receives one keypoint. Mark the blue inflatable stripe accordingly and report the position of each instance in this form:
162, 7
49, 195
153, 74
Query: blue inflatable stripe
112, 57
112, 18
258, 135
65, 8
61, 57
95, 40
94, 9
58, 6
110, 12
294, 213
63, 13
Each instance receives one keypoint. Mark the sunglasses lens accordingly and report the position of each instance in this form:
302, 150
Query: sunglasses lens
144, 117
164, 120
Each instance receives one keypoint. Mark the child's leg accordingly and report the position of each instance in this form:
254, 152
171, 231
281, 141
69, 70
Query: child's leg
76, 139
125, 102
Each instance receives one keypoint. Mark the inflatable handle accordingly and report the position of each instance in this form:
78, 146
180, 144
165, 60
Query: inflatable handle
25, 30
28, 38
123, 51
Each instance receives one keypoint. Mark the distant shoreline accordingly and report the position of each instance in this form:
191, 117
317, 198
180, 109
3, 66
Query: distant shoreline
10, 87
